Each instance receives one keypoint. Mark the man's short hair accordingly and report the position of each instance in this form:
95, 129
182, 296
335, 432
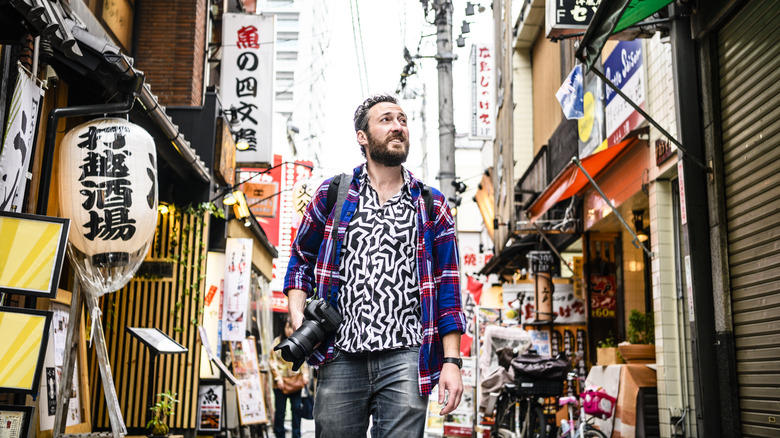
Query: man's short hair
361, 113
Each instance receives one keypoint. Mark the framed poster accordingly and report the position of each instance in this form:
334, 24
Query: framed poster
15, 421
25, 333
32, 249
79, 415
210, 408
249, 390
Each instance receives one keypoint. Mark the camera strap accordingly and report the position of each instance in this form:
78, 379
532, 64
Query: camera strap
342, 182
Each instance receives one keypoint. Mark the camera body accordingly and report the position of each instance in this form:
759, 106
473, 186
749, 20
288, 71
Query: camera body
320, 320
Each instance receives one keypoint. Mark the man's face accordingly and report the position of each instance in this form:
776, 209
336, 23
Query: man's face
387, 136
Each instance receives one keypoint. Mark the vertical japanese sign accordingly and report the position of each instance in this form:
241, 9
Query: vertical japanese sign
18, 141
247, 81
483, 92
238, 264
291, 174
624, 68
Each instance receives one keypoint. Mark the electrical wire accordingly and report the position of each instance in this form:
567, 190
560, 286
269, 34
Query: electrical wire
355, 41
362, 46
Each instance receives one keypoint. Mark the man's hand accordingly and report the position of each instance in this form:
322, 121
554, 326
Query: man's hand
296, 302
451, 385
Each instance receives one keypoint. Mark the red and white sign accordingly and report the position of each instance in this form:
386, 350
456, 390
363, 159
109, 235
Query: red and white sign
483, 92
279, 302
247, 81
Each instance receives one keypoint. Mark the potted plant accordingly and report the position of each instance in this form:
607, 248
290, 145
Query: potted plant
158, 424
640, 337
607, 351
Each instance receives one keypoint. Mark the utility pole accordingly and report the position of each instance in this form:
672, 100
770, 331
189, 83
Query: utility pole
444, 56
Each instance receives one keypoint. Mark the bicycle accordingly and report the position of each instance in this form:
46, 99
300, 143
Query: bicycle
518, 415
592, 401
519, 411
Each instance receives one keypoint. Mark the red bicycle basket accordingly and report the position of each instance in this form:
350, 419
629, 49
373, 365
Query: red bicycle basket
596, 402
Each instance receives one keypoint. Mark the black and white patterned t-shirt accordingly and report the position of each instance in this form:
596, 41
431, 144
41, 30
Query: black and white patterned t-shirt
379, 297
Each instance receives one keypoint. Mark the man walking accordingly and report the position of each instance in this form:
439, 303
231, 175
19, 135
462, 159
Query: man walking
395, 273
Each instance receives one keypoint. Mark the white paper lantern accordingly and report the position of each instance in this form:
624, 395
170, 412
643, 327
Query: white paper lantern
108, 189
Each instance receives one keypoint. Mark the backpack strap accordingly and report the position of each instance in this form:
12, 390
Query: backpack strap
338, 189
428, 198
333, 190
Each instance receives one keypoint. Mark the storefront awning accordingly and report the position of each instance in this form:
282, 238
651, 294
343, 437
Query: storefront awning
511, 258
571, 180
611, 17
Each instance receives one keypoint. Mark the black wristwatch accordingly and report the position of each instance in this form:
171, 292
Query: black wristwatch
456, 360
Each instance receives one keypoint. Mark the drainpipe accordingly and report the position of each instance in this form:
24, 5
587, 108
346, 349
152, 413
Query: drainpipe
51, 135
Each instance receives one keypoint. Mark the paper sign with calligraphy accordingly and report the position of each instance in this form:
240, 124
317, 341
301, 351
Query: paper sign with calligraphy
238, 266
247, 82
16, 147
483, 92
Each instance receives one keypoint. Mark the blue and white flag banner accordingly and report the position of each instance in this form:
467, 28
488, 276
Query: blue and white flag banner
570, 94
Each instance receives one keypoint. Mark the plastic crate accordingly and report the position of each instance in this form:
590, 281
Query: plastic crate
531, 386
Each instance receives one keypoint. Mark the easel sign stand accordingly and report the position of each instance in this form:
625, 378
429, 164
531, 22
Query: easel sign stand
158, 343
118, 428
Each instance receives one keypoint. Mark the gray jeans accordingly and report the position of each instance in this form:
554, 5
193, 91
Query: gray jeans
382, 385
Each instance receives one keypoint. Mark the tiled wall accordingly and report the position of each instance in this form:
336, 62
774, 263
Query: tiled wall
671, 322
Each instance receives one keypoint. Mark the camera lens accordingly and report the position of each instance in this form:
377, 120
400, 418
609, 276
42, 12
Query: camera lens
300, 343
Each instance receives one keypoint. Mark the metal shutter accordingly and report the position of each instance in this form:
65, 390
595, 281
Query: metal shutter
749, 71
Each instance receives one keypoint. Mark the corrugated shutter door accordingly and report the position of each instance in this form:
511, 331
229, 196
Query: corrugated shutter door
749, 65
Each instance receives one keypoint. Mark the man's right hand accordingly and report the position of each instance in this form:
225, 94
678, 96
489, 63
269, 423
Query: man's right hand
296, 302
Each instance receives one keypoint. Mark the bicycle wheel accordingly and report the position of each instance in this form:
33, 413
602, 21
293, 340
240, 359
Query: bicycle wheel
591, 432
504, 425
537, 425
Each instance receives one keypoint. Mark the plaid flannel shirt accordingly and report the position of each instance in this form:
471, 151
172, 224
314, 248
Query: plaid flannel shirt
312, 268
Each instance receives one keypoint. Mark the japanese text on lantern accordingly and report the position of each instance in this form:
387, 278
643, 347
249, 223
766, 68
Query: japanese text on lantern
483, 92
105, 183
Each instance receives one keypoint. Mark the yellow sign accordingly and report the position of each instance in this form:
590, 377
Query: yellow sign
31, 253
24, 333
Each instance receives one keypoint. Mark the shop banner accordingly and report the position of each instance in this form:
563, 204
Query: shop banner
238, 263
569, 95
247, 82
483, 93
624, 68
17, 144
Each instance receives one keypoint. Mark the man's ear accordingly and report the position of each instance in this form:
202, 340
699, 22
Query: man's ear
362, 139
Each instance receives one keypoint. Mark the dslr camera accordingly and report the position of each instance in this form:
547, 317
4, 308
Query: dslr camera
320, 320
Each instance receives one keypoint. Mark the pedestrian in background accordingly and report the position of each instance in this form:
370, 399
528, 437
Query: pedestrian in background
398, 289
287, 386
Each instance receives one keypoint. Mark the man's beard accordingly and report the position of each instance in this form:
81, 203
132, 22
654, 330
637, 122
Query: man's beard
381, 154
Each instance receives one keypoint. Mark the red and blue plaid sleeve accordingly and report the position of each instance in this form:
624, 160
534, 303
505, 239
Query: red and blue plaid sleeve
305, 248
450, 315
